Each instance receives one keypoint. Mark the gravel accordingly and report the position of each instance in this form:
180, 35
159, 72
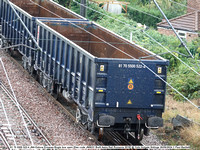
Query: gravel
17, 124
152, 139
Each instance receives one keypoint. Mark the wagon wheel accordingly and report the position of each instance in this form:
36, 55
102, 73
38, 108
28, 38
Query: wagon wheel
24, 64
91, 127
10, 52
30, 70
1, 43
40, 75
57, 90
101, 132
43, 82
49, 86
78, 115
146, 131
139, 134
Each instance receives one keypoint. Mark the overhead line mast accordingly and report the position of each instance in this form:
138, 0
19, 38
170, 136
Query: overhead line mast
182, 43
83, 8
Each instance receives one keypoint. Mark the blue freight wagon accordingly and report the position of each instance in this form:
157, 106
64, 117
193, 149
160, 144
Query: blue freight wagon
91, 65
111, 89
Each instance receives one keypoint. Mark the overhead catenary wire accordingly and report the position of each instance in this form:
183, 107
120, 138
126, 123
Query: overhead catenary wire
83, 29
127, 55
143, 12
183, 43
91, 42
146, 13
23, 24
78, 41
17, 103
89, 8
172, 54
111, 16
131, 27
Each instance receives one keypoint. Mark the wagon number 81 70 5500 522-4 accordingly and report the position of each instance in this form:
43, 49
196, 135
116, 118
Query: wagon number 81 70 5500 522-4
131, 66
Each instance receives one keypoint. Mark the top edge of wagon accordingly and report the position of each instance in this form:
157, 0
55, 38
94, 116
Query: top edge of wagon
47, 12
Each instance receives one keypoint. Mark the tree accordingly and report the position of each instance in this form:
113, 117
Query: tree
66, 3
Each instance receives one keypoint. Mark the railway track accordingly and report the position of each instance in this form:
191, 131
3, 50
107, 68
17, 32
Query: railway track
3, 142
116, 138
16, 126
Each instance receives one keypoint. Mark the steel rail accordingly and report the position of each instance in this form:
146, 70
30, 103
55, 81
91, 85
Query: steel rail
5, 141
24, 112
117, 139
9, 125
15, 99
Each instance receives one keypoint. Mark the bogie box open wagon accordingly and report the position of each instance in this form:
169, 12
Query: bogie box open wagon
111, 88
109, 78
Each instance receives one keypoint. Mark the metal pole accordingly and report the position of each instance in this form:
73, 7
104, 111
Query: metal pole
182, 43
83, 8
32, 37
131, 36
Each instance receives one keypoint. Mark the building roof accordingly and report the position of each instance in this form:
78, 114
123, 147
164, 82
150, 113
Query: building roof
188, 22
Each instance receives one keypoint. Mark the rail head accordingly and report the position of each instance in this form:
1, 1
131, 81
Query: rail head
5, 141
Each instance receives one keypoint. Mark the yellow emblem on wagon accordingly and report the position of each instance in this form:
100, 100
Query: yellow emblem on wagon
129, 102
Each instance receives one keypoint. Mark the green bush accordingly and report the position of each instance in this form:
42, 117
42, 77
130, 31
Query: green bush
75, 7
186, 82
147, 6
143, 18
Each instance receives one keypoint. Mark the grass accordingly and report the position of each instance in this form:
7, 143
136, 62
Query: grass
185, 109
192, 135
186, 136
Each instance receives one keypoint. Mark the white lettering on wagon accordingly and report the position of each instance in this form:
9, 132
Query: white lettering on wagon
137, 66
